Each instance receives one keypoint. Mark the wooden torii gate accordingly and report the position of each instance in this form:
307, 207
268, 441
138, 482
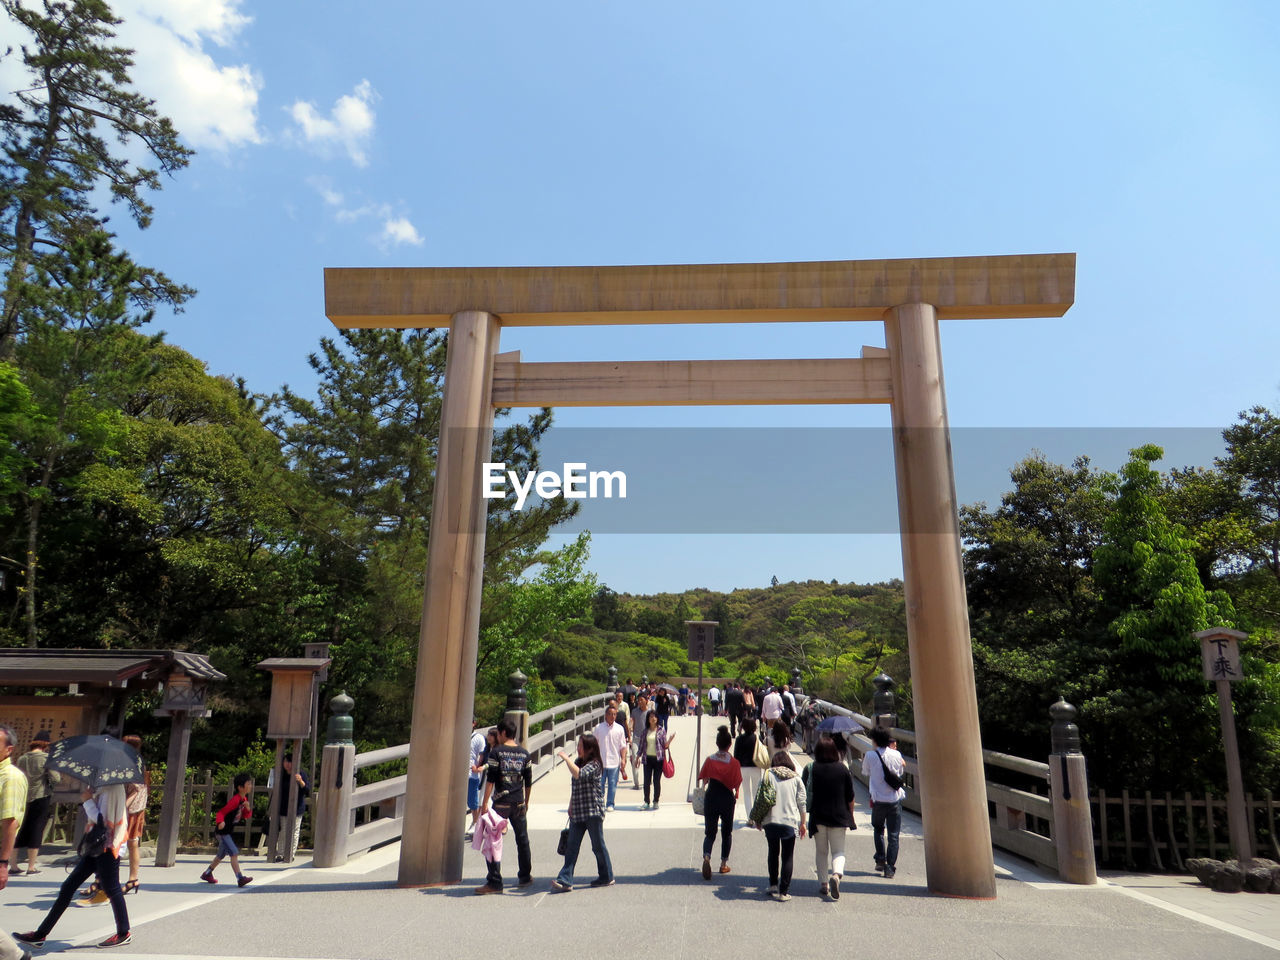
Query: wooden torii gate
908, 296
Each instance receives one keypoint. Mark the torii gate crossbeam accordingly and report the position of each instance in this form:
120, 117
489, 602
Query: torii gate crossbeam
908, 296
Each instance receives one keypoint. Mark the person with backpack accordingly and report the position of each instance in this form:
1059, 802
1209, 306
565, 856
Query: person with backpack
884, 769
784, 818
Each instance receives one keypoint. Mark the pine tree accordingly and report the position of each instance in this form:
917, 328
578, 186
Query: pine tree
55, 154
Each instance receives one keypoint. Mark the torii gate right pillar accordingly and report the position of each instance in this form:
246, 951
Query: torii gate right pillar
953, 799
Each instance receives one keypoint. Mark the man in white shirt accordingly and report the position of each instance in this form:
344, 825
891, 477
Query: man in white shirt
771, 710
886, 801
612, 737
714, 696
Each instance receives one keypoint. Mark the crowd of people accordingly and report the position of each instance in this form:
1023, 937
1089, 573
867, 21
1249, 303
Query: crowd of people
753, 763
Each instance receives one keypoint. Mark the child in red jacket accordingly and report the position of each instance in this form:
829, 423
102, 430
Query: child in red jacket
237, 811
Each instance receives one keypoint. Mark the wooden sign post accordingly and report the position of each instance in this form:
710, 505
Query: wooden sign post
1220, 651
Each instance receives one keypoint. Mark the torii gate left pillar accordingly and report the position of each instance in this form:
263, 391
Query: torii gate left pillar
908, 296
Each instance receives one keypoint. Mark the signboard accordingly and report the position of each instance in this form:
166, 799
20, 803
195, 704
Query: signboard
702, 639
1220, 653
61, 717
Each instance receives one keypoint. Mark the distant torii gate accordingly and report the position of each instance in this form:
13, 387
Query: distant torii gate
908, 296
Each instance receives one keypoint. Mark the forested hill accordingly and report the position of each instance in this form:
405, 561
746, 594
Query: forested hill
840, 635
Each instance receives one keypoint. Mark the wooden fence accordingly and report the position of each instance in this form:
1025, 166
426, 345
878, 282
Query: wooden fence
201, 799
1162, 832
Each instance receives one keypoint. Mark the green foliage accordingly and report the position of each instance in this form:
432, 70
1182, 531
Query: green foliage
17, 414
1081, 585
529, 613
55, 162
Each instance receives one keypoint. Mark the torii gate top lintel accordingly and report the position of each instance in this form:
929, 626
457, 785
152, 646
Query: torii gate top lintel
1036, 285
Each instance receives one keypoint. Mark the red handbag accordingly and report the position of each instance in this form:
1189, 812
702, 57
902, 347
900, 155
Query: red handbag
668, 766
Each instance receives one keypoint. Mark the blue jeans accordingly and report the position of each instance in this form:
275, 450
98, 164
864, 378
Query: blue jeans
594, 827
887, 815
611, 785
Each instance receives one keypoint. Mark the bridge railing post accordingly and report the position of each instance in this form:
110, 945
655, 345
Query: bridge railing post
518, 707
1069, 786
333, 793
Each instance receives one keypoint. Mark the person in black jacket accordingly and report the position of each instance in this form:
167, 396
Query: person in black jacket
282, 852
829, 788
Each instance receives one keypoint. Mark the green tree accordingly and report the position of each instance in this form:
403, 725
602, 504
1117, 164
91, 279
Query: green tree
56, 158
1157, 709
367, 444
17, 412
76, 360
525, 616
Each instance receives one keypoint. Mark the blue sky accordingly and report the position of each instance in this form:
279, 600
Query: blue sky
1143, 137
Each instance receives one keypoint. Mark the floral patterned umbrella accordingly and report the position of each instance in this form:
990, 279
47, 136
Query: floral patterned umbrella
96, 760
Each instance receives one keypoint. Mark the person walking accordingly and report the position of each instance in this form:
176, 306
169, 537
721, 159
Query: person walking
40, 785
662, 702
13, 807
135, 805
238, 809
829, 789
733, 706
771, 711
722, 776
586, 815
104, 809
886, 801
752, 759
510, 774
784, 820
612, 737
653, 746
474, 770
641, 713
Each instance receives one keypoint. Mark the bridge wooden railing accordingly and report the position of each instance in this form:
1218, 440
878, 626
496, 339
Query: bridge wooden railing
1022, 819
351, 819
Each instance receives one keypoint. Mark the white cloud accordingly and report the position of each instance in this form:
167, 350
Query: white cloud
399, 231
349, 124
217, 20
213, 106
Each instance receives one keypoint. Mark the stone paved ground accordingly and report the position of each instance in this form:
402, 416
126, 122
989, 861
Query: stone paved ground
659, 900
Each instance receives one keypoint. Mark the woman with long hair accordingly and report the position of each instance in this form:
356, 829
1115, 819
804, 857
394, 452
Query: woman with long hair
723, 776
745, 750
654, 745
586, 814
40, 784
784, 820
135, 804
830, 801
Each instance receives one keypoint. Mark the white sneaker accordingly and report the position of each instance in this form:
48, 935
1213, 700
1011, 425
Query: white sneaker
609, 808
772, 891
